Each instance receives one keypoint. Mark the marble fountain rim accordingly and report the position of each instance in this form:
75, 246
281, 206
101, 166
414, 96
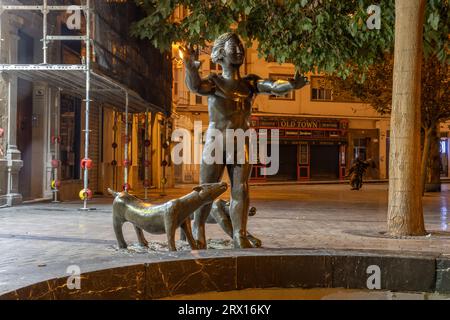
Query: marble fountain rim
171, 273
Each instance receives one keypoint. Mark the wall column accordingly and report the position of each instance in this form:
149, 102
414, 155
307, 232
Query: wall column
13, 156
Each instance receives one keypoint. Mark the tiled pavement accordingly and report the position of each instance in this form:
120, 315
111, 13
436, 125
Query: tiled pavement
40, 240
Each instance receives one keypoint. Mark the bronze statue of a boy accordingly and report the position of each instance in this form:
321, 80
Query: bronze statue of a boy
230, 99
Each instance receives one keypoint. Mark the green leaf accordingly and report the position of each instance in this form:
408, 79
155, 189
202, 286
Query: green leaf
433, 20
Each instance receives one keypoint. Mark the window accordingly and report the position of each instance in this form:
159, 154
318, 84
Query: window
198, 99
70, 137
444, 157
288, 96
360, 148
303, 153
321, 89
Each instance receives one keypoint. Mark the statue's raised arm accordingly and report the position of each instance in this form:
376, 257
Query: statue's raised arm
193, 80
281, 87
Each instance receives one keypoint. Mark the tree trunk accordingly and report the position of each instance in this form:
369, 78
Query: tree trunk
433, 178
405, 212
425, 157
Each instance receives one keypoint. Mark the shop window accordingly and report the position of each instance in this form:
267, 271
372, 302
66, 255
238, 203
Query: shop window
70, 129
288, 96
303, 153
360, 148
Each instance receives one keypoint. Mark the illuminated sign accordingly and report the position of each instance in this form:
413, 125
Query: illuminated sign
300, 123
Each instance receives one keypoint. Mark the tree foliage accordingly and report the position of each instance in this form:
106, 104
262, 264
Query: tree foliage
315, 35
376, 90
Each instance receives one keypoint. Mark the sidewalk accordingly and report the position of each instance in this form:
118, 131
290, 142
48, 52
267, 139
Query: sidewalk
40, 239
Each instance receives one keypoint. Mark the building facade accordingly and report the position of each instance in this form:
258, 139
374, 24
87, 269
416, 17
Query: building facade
320, 135
42, 113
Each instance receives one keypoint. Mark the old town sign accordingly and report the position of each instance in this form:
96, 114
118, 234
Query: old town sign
309, 128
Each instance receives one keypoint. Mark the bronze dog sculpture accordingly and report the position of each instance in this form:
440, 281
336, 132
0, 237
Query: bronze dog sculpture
163, 218
220, 214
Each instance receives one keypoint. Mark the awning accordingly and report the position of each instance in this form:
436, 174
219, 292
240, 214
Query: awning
72, 79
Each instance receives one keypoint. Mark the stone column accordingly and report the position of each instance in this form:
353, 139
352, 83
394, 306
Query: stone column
14, 162
3, 108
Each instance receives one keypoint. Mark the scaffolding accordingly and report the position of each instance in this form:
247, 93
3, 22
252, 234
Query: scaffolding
77, 79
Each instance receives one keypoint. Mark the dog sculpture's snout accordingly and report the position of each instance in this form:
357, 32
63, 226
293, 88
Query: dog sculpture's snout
213, 190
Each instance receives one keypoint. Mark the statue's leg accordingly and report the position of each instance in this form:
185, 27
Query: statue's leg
257, 243
187, 231
221, 214
117, 224
182, 233
354, 182
239, 204
209, 173
140, 236
171, 227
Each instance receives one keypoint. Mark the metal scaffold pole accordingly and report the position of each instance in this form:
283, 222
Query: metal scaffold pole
146, 162
87, 194
114, 146
126, 186
56, 139
1, 33
44, 30
75, 78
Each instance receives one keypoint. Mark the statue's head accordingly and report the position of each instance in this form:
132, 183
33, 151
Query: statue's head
228, 50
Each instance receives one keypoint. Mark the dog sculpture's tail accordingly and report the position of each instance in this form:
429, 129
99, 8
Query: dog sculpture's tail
112, 192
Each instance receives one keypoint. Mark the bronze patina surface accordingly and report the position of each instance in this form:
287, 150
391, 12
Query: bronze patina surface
230, 98
163, 218
220, 214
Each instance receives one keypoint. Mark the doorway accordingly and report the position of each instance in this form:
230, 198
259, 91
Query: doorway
324, 162
288, 163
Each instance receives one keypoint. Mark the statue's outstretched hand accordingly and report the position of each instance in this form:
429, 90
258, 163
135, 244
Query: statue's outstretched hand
299, 80
188, 56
